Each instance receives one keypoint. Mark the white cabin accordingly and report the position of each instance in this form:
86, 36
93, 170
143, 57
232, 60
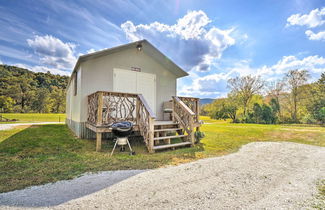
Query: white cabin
124, 77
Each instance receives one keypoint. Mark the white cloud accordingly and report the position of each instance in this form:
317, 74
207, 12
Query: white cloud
315, 36
315, 64
313, 19
91, 51
192, 42
212, 85
215, 85
53, 52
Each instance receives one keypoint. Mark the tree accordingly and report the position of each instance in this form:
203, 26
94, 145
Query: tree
322, 115
223, 108
275, 106
322, 79
6, 104
41, 103
257, 113
227, 110
295, 79
276, 91
25, 88
57, 96
21, 89
245, 87
267, 114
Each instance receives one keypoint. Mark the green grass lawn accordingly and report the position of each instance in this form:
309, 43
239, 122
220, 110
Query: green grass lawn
33, 117
48, 153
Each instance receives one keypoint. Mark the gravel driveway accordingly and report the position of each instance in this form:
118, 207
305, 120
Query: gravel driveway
261, 175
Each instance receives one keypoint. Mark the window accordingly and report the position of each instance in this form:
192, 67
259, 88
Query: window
75, 91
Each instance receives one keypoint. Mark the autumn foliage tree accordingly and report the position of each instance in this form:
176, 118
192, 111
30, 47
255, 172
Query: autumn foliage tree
245, 87
295, 79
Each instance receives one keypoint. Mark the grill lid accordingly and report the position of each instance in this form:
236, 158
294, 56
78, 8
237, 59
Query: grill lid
122, 125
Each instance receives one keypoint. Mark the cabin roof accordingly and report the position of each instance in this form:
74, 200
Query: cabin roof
147, 48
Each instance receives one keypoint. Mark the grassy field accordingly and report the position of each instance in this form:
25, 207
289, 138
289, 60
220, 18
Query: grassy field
48, 153
34, 117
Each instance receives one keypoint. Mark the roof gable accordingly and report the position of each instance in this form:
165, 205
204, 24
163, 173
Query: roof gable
147, 48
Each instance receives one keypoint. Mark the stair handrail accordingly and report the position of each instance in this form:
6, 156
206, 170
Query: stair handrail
145, 120
193, 103
146, 105
185, 116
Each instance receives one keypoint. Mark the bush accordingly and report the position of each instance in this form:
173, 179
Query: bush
308, 119
198, 136
322, 115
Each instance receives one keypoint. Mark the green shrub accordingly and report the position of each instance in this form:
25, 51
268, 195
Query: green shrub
308, 119
198, 136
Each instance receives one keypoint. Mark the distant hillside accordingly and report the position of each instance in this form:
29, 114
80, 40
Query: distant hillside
22, 90
206, 101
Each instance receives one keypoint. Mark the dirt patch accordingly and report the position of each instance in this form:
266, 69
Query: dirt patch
289, 135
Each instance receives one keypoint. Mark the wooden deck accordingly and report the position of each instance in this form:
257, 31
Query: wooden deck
105, 108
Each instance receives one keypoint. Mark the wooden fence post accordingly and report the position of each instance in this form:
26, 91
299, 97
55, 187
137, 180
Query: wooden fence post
99, 121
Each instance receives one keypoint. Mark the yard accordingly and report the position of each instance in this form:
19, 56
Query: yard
33, 117
48, 153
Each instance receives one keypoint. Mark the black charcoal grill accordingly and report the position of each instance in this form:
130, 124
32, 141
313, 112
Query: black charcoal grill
122, 130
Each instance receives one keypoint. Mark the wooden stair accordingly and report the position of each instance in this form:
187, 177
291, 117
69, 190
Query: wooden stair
166, 146
169, 137
163, 139
167, 129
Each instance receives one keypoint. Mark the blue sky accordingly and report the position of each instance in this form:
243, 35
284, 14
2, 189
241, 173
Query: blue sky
212, 40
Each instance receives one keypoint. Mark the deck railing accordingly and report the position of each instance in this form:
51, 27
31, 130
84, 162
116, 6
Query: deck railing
185, 116
105, 108
145, 120
193, 104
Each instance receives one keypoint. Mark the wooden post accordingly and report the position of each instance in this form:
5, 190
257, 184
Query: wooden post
197, 109
98, 141
137, 112
99, 121
173, 108
151, 135
100, 109
198, 113
192, 138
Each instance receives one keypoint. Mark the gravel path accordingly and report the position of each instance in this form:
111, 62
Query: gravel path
63, 191
12, 125
261, 175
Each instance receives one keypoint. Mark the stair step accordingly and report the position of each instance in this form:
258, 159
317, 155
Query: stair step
171, 145
157, 123
168, 137
168, 129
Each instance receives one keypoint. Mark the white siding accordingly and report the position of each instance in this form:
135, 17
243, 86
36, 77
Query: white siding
73, 105
97, 75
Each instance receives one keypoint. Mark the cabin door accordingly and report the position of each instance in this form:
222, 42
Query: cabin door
127, 81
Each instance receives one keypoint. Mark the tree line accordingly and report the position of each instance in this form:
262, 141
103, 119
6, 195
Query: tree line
25, 91
289, 100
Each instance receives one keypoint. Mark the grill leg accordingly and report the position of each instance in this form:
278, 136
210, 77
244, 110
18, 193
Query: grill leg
113, 148
127, 140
